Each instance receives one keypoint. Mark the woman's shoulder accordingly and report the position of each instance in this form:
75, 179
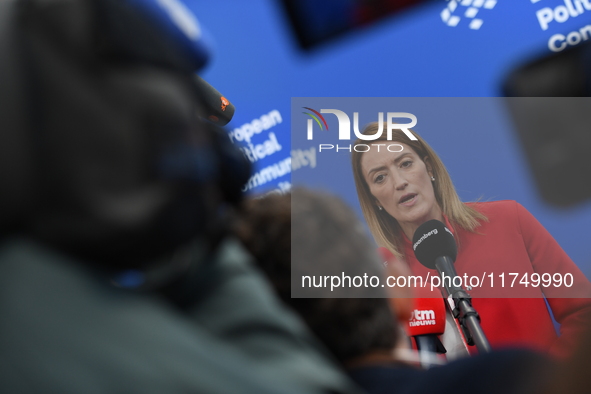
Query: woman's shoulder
501, 206
502, 217
500, 210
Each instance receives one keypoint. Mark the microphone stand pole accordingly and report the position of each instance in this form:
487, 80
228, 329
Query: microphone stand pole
469, 320
464, 312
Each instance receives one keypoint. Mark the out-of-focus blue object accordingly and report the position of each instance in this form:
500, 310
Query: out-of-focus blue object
180, 25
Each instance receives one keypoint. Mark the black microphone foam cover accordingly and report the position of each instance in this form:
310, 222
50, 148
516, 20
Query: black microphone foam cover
218, 109
432, 240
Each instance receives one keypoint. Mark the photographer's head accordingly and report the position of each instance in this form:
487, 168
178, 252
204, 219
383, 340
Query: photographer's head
327, 239
103, 152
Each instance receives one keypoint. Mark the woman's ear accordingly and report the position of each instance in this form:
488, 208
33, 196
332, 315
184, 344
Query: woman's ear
377, 203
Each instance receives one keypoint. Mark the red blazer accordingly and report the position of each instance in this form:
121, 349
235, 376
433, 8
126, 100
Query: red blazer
513, 241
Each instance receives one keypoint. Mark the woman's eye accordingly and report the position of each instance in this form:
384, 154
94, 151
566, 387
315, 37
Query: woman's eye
379, 178
406, 164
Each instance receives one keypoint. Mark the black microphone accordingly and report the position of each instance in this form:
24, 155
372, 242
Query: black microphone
218, 109
435, 247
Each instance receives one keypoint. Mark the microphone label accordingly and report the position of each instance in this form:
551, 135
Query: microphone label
422, 318
424, 237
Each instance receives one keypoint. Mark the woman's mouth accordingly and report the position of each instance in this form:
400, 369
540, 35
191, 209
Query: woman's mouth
407, 199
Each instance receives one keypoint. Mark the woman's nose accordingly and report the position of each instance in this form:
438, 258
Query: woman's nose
400, 182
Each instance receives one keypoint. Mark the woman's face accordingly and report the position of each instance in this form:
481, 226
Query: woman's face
401, 184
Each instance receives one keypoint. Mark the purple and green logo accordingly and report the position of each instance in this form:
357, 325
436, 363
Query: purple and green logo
344, 130
315, 117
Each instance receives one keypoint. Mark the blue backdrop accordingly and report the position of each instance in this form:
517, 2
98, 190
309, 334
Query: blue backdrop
443, 49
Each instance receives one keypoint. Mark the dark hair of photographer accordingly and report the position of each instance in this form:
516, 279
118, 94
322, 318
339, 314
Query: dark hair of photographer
277, 228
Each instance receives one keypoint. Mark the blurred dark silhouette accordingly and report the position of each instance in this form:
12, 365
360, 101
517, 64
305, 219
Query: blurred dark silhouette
316, 23
549, 99
116, 271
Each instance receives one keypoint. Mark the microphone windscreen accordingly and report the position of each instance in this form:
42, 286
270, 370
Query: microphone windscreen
428, 317
432, 240
218, 109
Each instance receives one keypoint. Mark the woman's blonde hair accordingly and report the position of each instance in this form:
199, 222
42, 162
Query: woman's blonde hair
385, 229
